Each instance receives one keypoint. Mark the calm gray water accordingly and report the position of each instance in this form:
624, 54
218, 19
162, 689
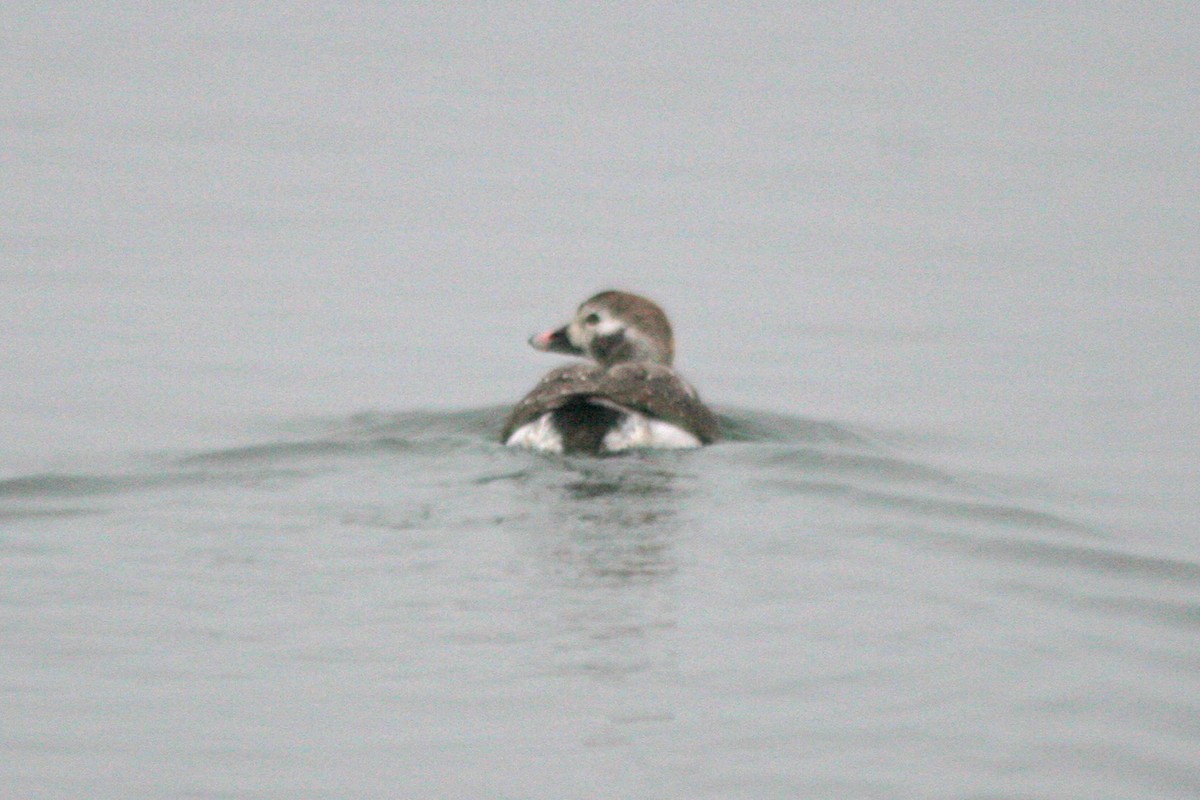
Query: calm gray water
268, 273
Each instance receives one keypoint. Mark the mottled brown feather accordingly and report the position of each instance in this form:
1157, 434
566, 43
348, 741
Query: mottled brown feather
652, 389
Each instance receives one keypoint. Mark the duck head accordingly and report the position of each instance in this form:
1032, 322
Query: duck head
613, 327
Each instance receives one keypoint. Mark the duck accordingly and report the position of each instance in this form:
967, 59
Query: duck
626, 396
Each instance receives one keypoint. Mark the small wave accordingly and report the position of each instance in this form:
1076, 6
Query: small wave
778, 453
271, 452
380, 430
822, 458
17, 514
56, 486
327, 440
1094, 558
62, 485
741, 425
413, 427
429, 431
880, 466
929, 506
306, 447
1131, 602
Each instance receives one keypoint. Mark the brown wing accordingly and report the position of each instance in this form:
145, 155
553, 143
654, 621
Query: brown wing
658, 391
653, 389
552, 391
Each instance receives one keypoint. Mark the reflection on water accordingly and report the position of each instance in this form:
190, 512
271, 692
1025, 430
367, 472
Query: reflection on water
606, 542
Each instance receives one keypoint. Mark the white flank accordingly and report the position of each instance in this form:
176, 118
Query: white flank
538, 435
638, 430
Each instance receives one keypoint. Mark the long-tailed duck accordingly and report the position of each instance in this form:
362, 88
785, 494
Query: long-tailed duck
629, 398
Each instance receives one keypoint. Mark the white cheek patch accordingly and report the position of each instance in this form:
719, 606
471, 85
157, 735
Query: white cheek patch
607, 327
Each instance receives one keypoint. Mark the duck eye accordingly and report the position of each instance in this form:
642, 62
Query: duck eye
591, 319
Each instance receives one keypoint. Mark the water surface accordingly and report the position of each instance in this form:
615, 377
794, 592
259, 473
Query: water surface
268, 273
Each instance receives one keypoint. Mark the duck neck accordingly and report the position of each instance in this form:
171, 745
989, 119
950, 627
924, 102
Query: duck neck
617, 348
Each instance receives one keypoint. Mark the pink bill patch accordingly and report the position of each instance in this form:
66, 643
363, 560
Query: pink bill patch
542, 340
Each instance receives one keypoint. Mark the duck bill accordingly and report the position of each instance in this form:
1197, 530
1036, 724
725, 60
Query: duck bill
554, 341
